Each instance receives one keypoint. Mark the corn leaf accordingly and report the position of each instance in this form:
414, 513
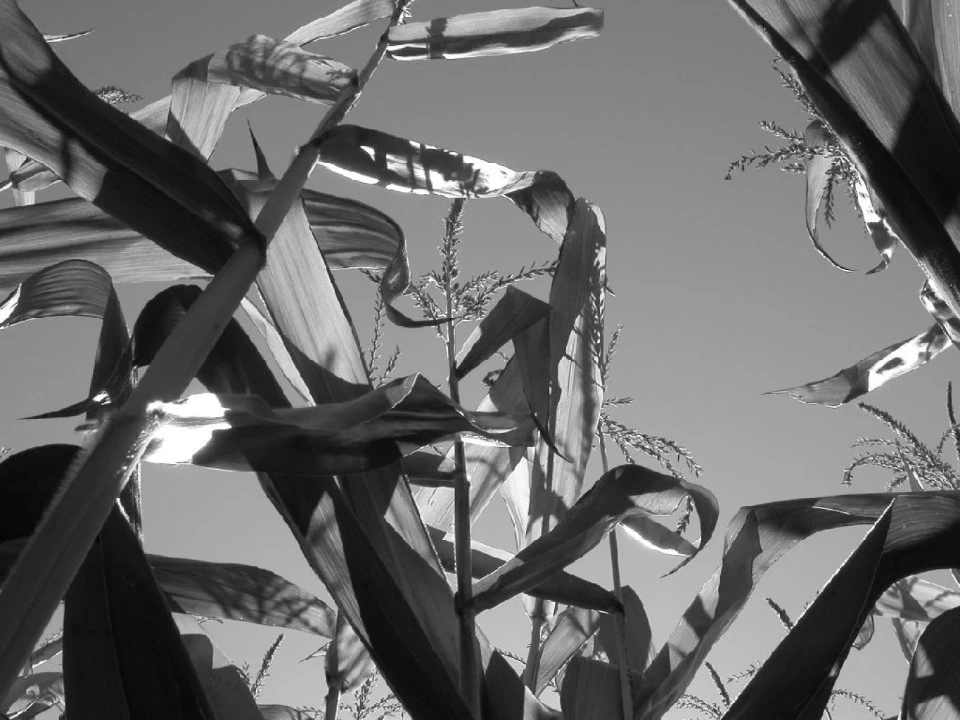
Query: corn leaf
222, 681
865, 633
624, 491
346, 663
917, 600
884, 237
240, 592
513, 313
108, 158
497, 32
282, 712
655, 536
873, 371
274, 67
914, 533
199, 107
590, 691
62, 37
343, 554
931, 690
30, 688
919, 537
487, 466
240, 432
936, 31
561, 587
573, 628
638, 640
575, 391
374, 157
351, 16
901, 134
14, 162
71, 287
817, 168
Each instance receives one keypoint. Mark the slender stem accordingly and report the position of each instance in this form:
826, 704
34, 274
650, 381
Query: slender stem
57, 548
469, 663
626, 692
531, 670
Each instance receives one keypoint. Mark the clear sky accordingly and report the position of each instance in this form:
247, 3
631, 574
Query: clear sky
720, 293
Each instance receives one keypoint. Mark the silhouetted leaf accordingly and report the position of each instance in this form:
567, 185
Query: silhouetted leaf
496, 32
108, 158
626, 490
932, 686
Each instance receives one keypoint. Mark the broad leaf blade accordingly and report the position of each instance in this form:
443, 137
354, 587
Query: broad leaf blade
71, 287
351, 16
108, 158
497, 32
626, 490
590, 691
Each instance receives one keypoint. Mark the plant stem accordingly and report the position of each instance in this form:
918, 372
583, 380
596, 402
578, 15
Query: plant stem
54, 553
469, 664
332, 707
532, 669
626, 692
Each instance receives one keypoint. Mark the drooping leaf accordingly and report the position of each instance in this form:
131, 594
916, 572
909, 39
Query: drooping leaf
513, 313
884, 237
758, 536
108, 158
638, 639
817, 168
865, 633
626, 490
901, 134
374, 157
939, 311
573, 628
561, 587
572, 386
931, 690
917, 600
240, 432
71, 287
496, 32
873, 371
908, 636
654, 536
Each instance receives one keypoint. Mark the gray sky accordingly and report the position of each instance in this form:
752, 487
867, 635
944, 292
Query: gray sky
720, 293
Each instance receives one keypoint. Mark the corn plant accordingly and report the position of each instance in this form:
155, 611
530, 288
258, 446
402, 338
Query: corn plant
381, 515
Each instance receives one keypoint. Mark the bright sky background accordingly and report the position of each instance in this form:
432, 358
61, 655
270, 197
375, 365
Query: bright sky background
720, 293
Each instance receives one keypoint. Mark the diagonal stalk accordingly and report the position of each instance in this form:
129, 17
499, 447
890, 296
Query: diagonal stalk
54, 553
626, 692
469, 662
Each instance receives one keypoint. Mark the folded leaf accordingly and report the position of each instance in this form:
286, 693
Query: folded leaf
654, 536
901, 133
497, 32
240, 432
624, 491
561, 587
873, 371
932, 685
884, 237
108, 158
573, 628
71, 287
374, 157
817, 168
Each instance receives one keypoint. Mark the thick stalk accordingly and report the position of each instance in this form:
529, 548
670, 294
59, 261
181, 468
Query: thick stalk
626, 692
539, 615
39, 580
469, 661
332, 708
